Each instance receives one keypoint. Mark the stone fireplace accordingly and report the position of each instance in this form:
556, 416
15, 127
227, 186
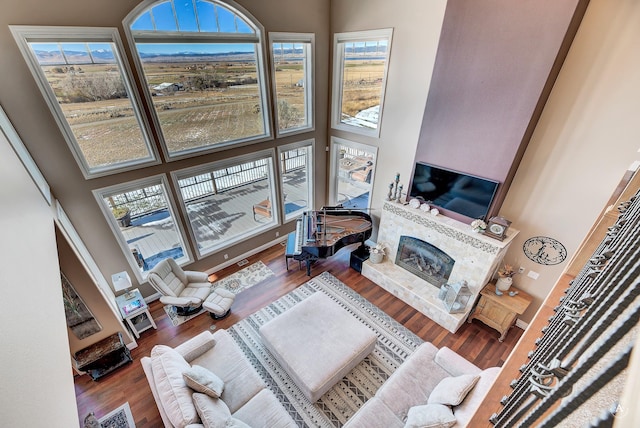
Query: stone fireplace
474, 258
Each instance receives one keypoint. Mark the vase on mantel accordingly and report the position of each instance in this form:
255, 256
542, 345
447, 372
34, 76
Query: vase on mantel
504, 283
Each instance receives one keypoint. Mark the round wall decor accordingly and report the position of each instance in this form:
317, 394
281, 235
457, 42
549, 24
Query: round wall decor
544, 250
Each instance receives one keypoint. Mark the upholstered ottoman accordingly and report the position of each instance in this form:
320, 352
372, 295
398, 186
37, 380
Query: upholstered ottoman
219, 303
317, 342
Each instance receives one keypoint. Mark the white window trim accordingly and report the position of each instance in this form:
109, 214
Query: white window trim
154, 180
23, 154
258, 38
311, 143
276, 37
333, 179
338, 67
24, 34
177, 175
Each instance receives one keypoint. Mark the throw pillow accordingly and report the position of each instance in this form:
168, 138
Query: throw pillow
202, 380
430, 416
451, 391
213, 412
167, 366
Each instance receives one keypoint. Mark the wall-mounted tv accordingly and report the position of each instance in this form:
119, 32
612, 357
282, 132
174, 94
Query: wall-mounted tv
454, 191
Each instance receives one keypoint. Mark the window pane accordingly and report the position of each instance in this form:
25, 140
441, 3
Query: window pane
226, 204
147, 224
89, 86
206, 99
361, 61
164, 18
296, 167
355, 168
292, 70
186, 15
363, 73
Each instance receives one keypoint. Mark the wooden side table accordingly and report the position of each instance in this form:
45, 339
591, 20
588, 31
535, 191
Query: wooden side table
499, 312
135, 312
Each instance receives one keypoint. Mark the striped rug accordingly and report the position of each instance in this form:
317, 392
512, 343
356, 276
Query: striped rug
334, 408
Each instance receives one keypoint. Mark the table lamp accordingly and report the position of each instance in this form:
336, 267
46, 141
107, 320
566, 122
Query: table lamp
122, 281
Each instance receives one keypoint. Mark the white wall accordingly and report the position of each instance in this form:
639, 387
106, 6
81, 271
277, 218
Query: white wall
588, 135
35, 366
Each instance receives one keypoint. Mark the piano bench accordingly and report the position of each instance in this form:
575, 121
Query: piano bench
290, 250
357, 258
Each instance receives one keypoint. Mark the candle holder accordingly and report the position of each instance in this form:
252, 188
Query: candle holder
395, 185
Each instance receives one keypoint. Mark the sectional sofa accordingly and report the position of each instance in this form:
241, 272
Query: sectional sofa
432, 384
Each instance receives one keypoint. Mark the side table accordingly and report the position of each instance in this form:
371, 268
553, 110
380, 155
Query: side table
499, 312
135, 311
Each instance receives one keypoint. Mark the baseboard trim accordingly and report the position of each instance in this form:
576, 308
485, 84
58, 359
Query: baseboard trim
245, 255
521, 324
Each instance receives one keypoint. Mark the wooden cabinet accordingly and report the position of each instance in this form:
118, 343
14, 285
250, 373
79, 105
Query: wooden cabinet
500, 312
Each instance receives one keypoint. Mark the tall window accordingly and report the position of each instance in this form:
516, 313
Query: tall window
228, 201
292, 64
353, 167
143, 218
361, 60
296, 173
203, 71
84, 80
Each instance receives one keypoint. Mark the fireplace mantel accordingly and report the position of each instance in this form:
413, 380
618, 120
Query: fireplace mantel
477, 257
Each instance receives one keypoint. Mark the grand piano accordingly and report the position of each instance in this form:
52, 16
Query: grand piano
320, 234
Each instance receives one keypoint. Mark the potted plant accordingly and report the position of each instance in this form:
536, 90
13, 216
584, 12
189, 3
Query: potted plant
122, 216
505, 277
376, 253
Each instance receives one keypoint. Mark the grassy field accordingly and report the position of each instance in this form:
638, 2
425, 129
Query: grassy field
198, 114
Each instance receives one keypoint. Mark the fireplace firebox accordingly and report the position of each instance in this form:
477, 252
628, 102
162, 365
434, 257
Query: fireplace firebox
424, 260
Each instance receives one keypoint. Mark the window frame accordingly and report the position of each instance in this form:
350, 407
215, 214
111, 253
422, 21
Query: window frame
309, 78
334, 179
25, 34
339, 40
154, 180
208, 167
196, 37
310, 144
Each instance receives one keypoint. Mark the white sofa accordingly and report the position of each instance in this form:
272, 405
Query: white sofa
250, 402
244, 395
414, 381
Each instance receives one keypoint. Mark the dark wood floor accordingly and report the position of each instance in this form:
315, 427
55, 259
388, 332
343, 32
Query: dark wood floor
476, 342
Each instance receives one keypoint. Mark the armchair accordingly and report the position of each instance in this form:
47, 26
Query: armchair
185, 290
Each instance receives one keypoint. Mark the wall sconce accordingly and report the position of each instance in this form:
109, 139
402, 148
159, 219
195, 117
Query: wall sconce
122, 281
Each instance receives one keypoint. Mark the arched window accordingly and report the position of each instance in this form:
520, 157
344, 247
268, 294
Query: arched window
203, 71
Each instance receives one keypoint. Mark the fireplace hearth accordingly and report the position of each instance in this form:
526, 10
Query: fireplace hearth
424, 260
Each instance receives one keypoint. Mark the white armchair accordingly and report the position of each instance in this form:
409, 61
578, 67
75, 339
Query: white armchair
186, 290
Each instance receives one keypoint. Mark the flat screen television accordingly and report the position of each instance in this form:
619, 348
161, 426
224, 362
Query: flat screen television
453, 191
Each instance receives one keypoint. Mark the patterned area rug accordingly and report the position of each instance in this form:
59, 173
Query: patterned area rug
334, 408
236, 282
119, 418
245, 278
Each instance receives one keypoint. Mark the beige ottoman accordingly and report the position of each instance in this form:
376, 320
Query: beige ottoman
219, 303
317, 342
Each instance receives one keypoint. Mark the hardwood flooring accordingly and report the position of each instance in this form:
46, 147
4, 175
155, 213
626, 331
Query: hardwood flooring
476, 342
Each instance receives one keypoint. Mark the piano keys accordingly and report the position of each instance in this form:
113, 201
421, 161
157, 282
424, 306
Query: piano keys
320, 234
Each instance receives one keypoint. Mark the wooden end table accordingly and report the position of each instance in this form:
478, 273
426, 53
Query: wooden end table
499, 312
